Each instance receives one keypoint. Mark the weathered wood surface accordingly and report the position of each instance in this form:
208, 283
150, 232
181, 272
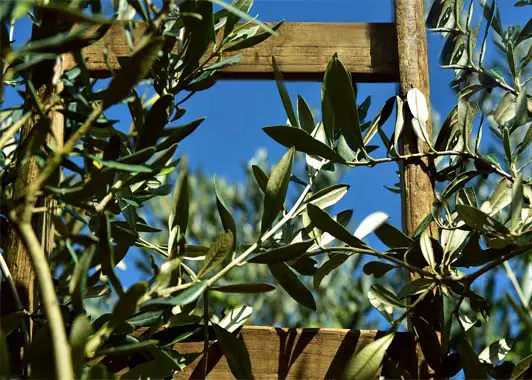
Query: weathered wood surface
281, 353
302, 51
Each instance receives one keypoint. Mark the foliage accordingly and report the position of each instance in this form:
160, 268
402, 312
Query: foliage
109, 172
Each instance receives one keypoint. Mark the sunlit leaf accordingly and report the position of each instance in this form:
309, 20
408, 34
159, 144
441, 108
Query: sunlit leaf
366, 363
220, 248
276, 189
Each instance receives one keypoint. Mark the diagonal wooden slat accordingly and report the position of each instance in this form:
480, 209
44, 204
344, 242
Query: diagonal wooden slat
302, 51
281, 353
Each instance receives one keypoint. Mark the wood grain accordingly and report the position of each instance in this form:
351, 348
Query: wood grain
302, 51
282, 353
417, 186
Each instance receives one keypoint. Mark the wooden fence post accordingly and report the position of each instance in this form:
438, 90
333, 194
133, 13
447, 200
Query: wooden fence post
417, 187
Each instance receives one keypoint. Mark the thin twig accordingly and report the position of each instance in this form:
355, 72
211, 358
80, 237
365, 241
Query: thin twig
407, 157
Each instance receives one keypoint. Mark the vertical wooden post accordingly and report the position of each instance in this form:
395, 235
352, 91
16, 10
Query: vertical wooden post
417, 187
17, 258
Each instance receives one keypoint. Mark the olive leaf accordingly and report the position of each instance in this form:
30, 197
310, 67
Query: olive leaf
276, 189
220, 248
366, 363
293, 286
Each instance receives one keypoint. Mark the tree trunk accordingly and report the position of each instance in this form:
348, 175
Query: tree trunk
417, 187
17, 258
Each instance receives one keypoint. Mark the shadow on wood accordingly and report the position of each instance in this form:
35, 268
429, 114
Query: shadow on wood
279, 353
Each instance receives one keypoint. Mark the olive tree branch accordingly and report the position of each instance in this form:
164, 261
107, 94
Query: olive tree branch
371, 252
407, 157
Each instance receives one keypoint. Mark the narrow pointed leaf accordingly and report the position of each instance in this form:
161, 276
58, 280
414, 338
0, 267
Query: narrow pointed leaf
185, 297
321, 220
324, 198
306, 119
366, 363
392, 237
327, 267
293, 286
235, 352
282, 254
302, 141
220, 248
377, 268
276, 189
225, 216
135, 69
283, 92
517, 202
260, 177
244, 288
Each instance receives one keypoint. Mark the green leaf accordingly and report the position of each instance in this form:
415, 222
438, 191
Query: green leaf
276, 189
79, 335
377, 268
121, 166
425, 242
178, 134
386, 296
155, 121
225, 216
522, 368
302, 141
235, 352
321, 220
243, 15
129, 348
293, 286
525, 33
306, 119
63, 12
107, 253
324, 198
187, 296
199, 32
479, 221
473, 368
341, 94
252, 41
392, 237
283, 92
245, 288
127, 304
179, 213
78, 282
384, 308
220, 248
66, 42
517, 202
366, 363
417, 286
135, 69
327, 267
260, 177
282, 254
232, 19
495, 352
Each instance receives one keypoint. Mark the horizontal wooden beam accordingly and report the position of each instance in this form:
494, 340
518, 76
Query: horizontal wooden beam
281, 353
302, 51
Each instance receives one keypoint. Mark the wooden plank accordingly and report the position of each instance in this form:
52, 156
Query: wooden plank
302, 51
417, 187
281, 353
